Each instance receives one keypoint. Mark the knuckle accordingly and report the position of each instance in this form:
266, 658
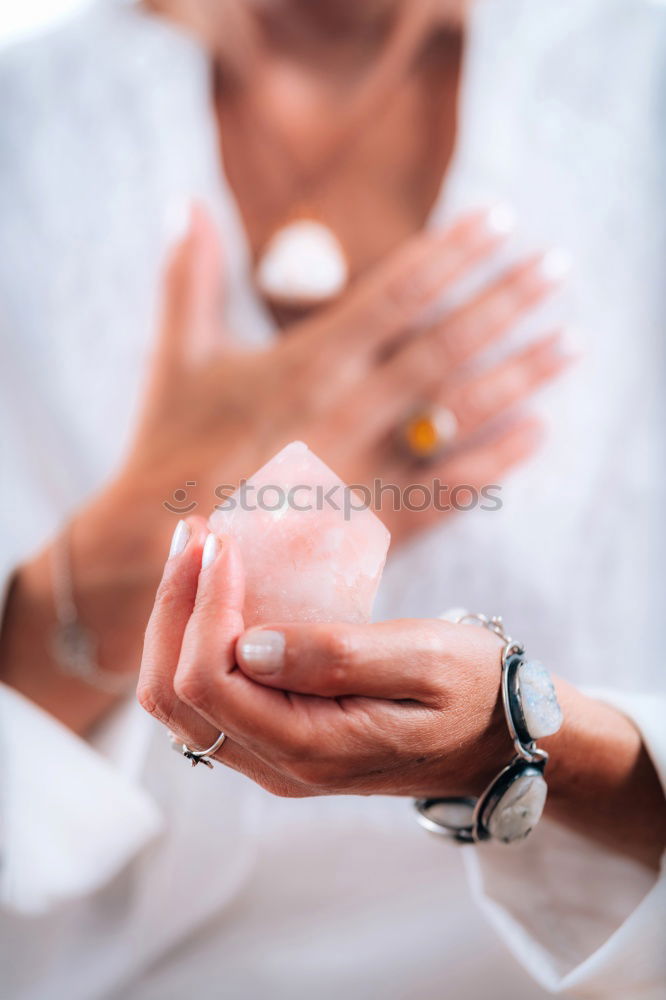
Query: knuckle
147, 696
339, 655
169, 594
432, 637
192, 686
157, 701
433, 644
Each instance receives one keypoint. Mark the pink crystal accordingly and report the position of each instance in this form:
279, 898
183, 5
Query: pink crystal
316, 565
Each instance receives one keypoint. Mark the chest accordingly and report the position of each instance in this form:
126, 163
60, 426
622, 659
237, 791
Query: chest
374, 186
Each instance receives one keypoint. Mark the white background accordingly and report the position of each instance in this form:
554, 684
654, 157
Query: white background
19, 18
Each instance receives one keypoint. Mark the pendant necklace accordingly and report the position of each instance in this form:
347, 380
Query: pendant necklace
303, 263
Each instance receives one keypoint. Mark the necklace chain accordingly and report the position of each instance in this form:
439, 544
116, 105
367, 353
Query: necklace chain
393, 66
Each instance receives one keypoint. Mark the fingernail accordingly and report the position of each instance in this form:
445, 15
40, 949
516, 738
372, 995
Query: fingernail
177, 219
209, 550
181, 537
554, 265
262, 650
500, 220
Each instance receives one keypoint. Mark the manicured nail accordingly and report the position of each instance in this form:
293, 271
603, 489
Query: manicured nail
500, 220
262, 650
554, 265
177, 219
181, 537
210, 550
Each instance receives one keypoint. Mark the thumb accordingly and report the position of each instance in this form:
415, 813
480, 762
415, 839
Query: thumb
190, 324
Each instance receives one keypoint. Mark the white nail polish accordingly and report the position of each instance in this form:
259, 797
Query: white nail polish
177, 220
209, 551
555, 265
262, 650
181, 537
500, 220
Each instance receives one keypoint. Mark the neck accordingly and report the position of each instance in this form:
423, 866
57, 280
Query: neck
328, 20
316, 31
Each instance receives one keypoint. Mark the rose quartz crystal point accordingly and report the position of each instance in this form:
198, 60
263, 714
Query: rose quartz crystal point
316, 565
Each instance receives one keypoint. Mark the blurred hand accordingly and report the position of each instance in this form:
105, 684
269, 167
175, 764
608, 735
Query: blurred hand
345, 379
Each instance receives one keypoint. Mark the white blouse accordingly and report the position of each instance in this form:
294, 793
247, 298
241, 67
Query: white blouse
125, 873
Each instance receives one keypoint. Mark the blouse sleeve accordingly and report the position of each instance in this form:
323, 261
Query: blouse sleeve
581, 919
70, 816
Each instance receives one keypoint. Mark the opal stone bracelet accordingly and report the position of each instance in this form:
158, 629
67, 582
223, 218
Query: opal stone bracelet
512, 804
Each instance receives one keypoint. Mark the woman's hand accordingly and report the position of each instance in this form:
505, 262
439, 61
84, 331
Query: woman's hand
345, 379
401, 708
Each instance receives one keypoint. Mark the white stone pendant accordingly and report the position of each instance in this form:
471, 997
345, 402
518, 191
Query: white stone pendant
303, 263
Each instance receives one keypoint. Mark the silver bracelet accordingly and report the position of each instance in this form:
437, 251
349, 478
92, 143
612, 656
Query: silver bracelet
512, 804
73, 646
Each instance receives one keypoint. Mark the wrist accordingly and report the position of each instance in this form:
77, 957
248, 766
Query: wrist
594, 738
511, 803
602, 782
116, 550
120, 538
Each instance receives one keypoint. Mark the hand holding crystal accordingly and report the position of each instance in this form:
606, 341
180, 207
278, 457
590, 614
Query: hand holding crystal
410, 708
404, 708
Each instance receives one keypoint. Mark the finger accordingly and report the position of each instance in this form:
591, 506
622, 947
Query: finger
479, 322
395, 295
217, 616
486, 396
281, 730
391, 660
194, 609
192, 292
468, 480
429, 359
488, 461
215, 623
173, 606
187, 592
207, 679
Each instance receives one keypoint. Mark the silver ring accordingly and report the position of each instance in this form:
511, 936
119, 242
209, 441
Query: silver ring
197, 756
